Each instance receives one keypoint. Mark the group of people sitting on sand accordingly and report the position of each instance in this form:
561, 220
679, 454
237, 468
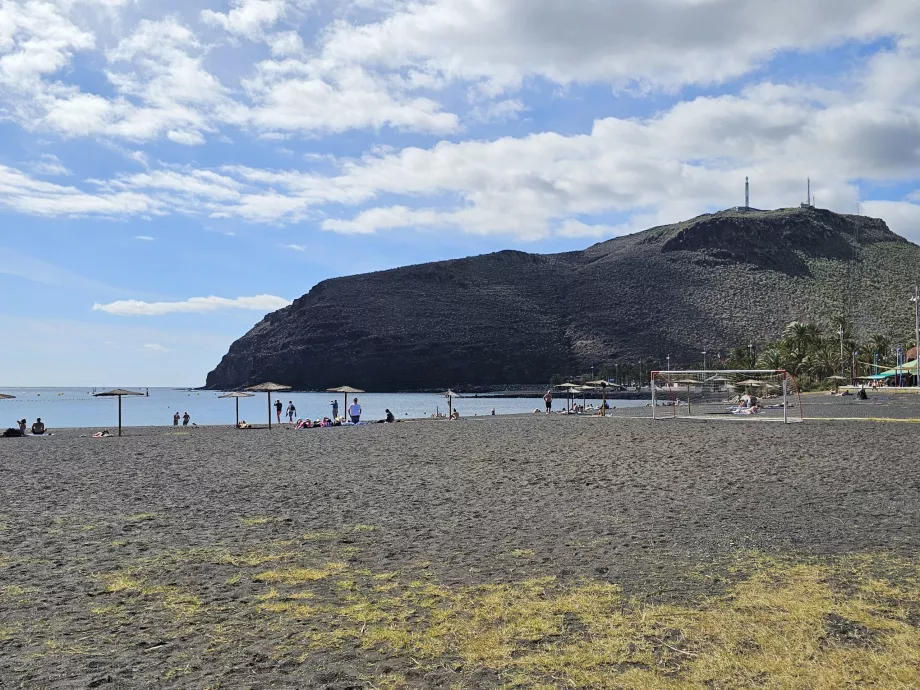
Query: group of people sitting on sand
327, 422
38, 429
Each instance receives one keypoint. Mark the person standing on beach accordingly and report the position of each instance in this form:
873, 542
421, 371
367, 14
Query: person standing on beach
335, 410
176, 419
291, 411
355, 412
278, 408
186, 418
548, 399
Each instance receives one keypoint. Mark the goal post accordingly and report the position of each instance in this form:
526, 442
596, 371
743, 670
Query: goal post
769, 394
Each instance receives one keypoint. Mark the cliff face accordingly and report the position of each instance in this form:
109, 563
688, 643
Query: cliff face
705, 284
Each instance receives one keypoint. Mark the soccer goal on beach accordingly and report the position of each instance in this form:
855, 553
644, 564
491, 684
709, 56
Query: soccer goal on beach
720, 394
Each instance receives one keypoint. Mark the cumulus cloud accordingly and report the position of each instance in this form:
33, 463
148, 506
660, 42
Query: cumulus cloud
247, 17
629, 43
392, 64
195, 305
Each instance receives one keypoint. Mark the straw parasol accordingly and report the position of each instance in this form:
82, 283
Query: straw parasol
450, 395
584, 393
750, 382
346, 391
569, 387
238, 396
118, 392
687, 383
269, 388
603, 385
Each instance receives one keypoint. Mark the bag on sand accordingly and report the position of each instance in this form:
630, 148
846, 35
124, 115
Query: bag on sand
12, 433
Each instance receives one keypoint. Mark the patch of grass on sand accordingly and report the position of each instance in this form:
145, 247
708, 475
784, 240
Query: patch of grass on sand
141, 517
521, 553
180, 602
293, 576
364, 528
16, 592
782, 624
8, 632
256, 520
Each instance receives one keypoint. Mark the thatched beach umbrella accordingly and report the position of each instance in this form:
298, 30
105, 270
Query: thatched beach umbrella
750, 383
584, 393
238, 396
118, 392
568, 388
269, 388
450, 395
346, 391
603, 385
687, 383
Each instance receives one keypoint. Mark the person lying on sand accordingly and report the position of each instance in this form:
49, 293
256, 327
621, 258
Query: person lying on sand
244, 425
105, 433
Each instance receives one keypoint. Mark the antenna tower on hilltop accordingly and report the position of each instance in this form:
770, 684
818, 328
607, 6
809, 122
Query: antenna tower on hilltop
747, 193
809, 203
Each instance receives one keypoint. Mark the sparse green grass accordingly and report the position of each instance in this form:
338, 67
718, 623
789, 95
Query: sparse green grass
364, 528
141, 517
780, 623
521, 553
293, 576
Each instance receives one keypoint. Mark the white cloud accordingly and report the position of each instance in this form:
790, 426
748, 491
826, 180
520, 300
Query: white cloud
247, 17
145, 238
24, 194
49, 165
195, 305
645, 43
295, 247
155, 347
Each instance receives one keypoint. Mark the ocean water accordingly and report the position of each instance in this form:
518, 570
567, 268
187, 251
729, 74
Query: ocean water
76, 407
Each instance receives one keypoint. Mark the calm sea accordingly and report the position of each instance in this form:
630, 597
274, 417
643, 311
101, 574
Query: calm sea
76, 407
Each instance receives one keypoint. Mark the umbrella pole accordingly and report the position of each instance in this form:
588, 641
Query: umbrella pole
119, 415
604, 402
688, 401
269, 411
450, 406
237, 413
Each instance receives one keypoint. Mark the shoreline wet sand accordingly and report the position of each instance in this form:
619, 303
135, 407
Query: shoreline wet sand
209, 557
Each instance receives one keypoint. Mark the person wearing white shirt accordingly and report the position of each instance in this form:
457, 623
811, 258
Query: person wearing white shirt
355, 412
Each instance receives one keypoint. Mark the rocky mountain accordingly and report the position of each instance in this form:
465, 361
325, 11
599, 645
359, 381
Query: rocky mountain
709, 283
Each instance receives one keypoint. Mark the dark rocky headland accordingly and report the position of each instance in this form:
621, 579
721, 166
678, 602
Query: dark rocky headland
710, 283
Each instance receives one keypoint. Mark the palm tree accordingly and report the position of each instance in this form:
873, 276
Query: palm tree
799, 336
771, 358
879, 345
824, 359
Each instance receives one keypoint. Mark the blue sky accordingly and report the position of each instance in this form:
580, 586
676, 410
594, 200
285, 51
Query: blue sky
172, 171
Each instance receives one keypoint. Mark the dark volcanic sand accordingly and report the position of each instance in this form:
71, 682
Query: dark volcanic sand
632, 502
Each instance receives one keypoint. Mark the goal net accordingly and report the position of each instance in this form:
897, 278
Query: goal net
735, 394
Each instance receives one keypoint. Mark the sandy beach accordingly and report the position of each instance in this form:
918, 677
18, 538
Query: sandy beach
348, 558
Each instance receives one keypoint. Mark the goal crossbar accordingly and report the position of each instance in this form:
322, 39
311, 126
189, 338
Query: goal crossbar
676, 379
